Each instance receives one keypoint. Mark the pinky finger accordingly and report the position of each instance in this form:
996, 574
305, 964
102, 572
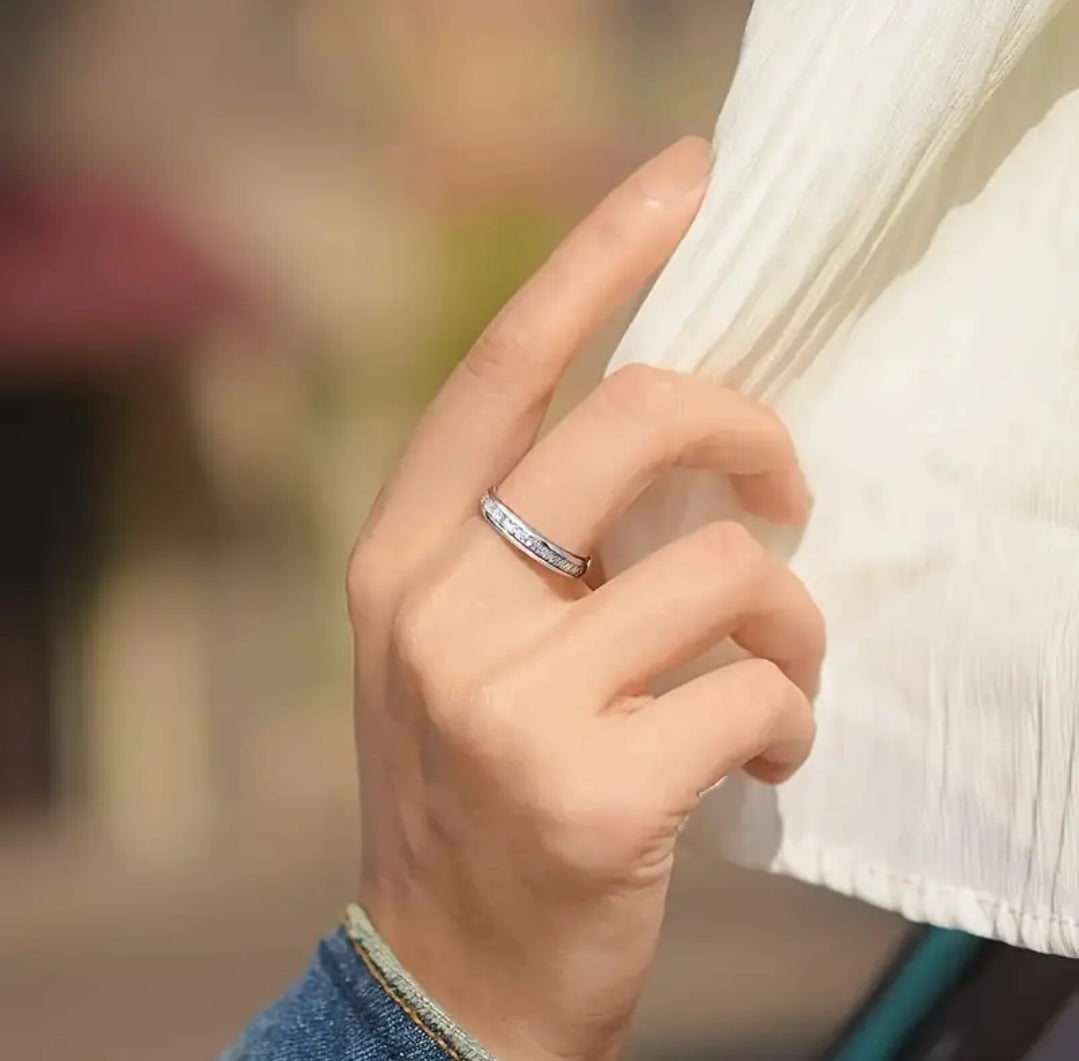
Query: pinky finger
747, 714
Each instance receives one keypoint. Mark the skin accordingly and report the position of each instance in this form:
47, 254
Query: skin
522, 788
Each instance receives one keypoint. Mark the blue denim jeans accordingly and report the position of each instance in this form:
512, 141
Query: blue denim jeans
355, 1003
337, 1011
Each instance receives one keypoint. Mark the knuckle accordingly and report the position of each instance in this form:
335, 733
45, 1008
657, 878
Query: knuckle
770, 697
503, 349
609, 230
369, 581
736, 544
781, 704
773, 426
792, 735
414, 629
641, 393
810, 632
767, 684
454, 713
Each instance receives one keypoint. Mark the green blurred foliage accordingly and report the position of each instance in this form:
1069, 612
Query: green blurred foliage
488, 253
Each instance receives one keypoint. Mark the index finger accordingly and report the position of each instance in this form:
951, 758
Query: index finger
488, 412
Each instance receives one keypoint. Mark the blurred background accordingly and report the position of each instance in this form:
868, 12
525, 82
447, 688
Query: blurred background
241, 242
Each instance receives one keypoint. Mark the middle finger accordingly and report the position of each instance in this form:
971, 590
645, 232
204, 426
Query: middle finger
576, 482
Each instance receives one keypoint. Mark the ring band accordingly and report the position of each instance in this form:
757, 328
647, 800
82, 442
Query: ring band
526, 539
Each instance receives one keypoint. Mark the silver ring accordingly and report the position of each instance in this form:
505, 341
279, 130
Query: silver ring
525, 538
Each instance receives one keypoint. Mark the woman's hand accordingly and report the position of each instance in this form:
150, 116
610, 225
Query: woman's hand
522, 789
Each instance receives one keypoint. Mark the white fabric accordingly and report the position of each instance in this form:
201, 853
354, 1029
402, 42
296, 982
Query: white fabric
889, 253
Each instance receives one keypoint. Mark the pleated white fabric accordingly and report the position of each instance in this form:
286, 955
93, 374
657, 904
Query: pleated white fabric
888, 252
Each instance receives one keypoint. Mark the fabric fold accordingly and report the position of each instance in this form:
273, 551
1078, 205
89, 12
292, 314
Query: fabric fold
888, 253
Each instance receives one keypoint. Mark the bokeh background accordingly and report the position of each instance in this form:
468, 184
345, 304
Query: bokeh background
241, 242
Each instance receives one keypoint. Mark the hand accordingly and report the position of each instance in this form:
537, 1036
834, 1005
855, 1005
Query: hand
522, 789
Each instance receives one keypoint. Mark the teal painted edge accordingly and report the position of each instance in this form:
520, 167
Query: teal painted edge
929, 971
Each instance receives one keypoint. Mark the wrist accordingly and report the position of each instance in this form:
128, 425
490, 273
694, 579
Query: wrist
470, 991
399, 984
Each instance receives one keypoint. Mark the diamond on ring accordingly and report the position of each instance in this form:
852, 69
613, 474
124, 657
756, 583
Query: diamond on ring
526, 539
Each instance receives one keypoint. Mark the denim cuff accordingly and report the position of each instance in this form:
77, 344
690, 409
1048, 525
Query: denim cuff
423, 1011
